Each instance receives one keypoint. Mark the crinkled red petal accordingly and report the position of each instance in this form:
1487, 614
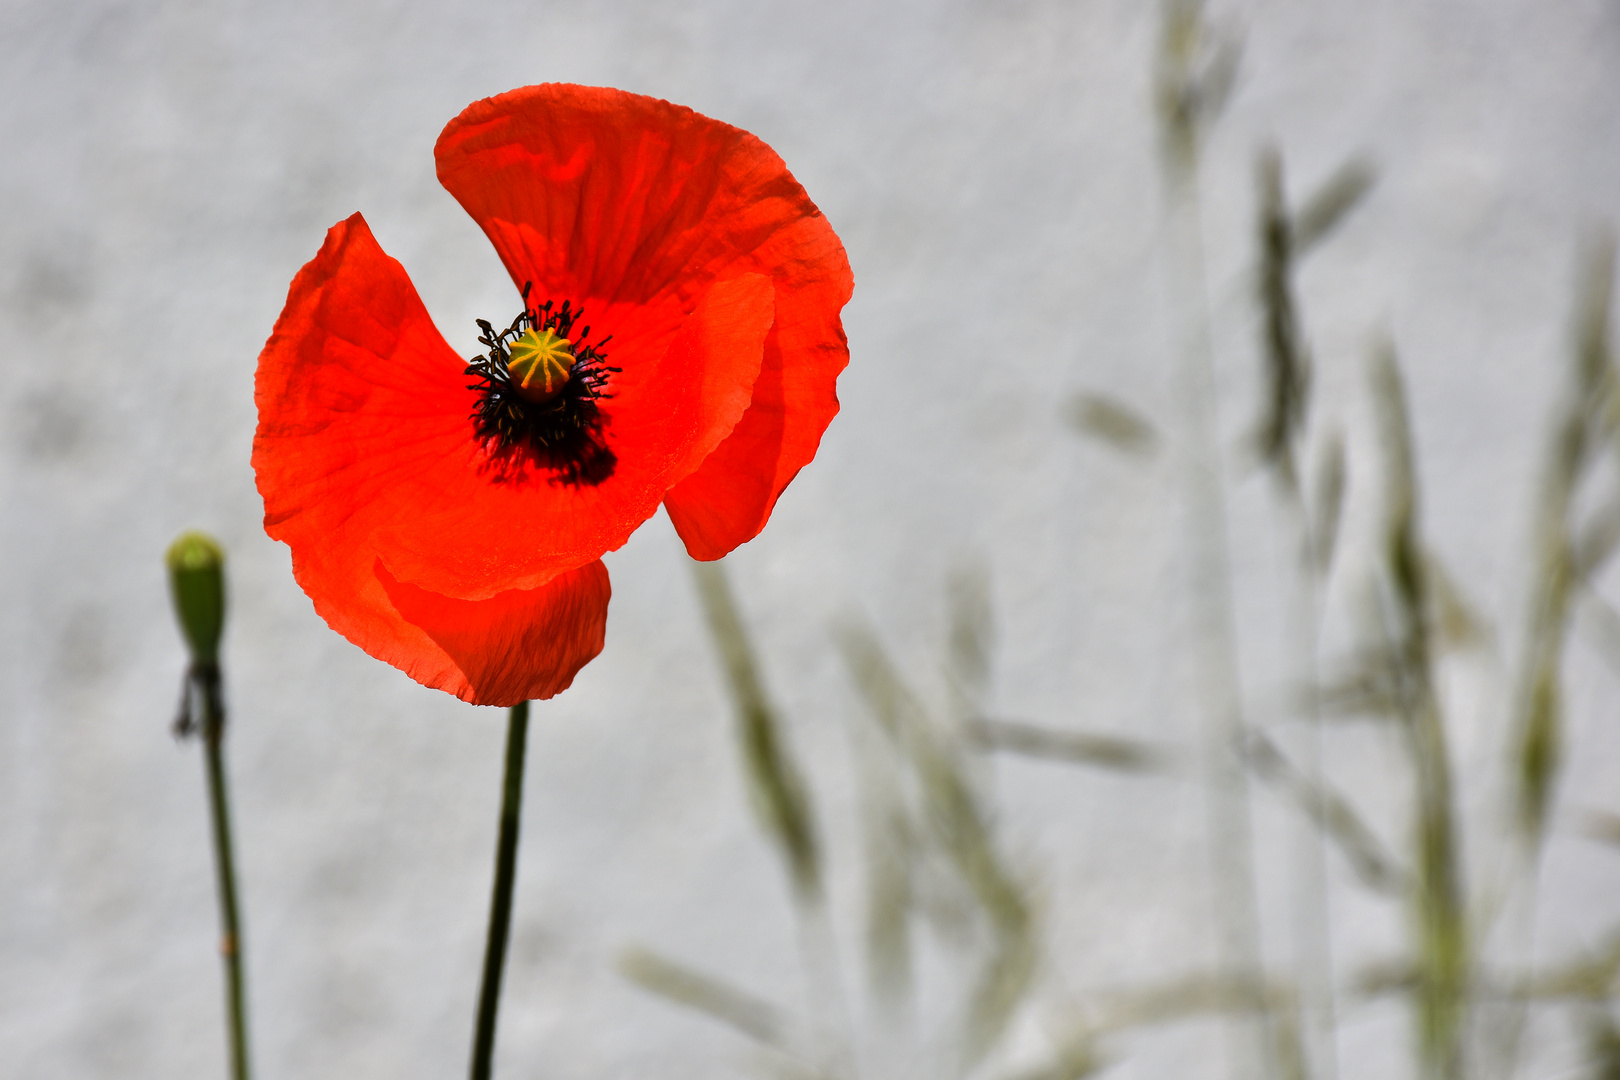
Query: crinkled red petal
358, 398
514, 646
366, 450
629, 204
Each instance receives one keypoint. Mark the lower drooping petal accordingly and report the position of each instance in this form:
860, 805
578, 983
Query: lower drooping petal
514, 646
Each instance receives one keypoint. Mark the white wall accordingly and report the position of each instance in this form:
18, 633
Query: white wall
165, 168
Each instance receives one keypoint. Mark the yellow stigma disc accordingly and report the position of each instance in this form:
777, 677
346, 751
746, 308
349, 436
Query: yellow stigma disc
540, 365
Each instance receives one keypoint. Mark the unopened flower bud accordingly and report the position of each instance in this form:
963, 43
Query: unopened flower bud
197, 586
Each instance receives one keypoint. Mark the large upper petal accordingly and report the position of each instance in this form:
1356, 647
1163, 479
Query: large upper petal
365, 449
629, 203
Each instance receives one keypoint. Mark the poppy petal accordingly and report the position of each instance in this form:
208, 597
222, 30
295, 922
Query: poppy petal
365, 446
352, 342
352, 400
514, 646
728, 500
598, 195
610, 197
473, 535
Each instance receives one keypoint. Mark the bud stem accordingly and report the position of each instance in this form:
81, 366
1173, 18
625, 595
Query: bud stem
205, 684
500, 907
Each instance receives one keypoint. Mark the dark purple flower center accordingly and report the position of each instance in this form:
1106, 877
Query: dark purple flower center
561, 434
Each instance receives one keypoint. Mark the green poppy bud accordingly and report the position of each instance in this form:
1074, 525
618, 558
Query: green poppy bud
197, 586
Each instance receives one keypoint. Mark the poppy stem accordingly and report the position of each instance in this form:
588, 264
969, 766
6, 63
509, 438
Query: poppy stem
206, 683
500, 906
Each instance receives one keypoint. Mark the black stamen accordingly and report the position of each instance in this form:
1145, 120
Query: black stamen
563, 435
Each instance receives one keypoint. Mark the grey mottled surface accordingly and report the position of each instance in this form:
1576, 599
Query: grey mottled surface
991, 168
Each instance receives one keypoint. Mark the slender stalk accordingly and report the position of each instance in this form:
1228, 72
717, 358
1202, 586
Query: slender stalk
781, 800
1579, 433
500, 906
1194, 76
206, 683
1443, 949
1289, 369
1314, 913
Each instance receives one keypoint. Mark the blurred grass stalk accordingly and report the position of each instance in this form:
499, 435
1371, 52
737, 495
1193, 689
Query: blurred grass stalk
1586, 421
1195, 74
950, 821
1283, 236
781, 803
776, 787
1281, 430
683, 985
1442, 952
932, 853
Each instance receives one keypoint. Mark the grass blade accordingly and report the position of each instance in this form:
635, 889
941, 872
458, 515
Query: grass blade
778, 793
1114, 423
715, 998
1331, 469
1327, 209
959, 826
1332, 813
1539, 726
1287, 368
1441, 945
1072, 747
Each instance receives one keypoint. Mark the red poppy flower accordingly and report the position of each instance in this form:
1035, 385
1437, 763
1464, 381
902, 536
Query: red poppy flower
449, 518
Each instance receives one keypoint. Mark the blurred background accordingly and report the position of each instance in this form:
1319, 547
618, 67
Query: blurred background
1048, 258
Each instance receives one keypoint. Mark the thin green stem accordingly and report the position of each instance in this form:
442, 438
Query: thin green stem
500, 906
206, 681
